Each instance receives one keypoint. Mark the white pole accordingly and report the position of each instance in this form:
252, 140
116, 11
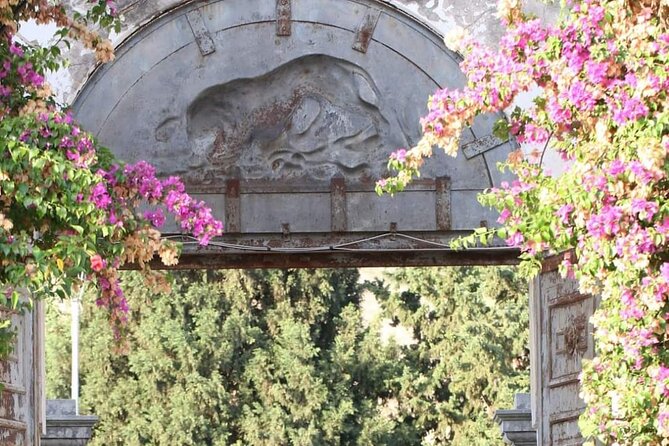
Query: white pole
75, 353
75, 347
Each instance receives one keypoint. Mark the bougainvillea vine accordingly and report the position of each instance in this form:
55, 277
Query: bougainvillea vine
600, 80
68, 209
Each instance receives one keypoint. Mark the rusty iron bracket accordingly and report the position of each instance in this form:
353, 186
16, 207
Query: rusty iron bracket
233, 218
443, 203
393, 230
365, 31
285, 231
338, 216
481, 145
204, 41
283, 18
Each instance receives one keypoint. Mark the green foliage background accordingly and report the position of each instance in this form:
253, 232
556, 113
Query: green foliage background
283, 357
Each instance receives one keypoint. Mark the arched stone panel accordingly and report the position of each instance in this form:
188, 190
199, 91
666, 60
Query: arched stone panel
282, 114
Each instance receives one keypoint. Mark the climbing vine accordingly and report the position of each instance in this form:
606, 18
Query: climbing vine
600, 79
69, 211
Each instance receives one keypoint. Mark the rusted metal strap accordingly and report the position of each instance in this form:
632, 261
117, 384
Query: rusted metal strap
233, 217
481, 145
285, 231
553, 262
201, 33
339, 259
365, 31
283, 18
443, 203
363, 35
338, 216
392, 228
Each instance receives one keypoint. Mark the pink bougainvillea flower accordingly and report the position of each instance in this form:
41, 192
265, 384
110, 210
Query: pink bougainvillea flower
97, 264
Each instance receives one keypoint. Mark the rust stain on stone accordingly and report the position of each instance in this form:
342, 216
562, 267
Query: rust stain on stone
232, 206
443, 203
7, 406
270, 116
338, 211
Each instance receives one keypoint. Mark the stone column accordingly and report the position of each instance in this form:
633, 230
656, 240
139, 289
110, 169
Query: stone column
516, 423
64, 427
560, 338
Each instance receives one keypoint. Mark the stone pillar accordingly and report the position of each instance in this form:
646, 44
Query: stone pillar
560, 338
22, 379
516, 423
64, 427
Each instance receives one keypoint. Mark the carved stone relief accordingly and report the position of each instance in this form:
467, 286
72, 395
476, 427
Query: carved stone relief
574, 336
568, 336
316, 117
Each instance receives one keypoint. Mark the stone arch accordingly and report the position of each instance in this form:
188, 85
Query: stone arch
282, 114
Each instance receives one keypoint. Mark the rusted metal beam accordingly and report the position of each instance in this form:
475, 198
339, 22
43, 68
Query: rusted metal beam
316, 250
338, 216
391, 240
365, 31
283, 18
202, 37
346, 259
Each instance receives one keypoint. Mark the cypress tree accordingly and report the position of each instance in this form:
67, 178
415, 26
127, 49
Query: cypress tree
283, 357
470, 352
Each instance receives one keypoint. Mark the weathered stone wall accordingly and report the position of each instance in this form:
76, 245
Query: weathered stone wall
477, 16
